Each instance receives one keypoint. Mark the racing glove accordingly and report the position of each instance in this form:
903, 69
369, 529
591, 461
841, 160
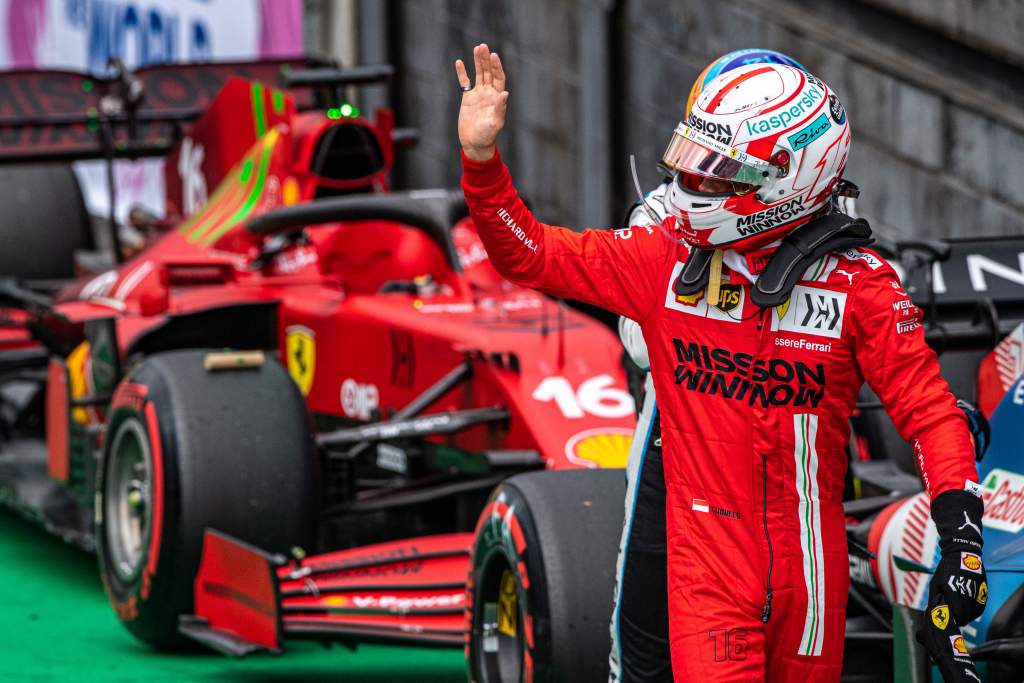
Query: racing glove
959, 588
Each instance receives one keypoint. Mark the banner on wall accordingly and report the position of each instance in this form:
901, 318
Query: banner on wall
83, 35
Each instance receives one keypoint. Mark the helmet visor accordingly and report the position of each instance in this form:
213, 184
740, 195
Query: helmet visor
693, 152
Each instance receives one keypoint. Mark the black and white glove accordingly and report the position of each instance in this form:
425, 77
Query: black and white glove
959, 588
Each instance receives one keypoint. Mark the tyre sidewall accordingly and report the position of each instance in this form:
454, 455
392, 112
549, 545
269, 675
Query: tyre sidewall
142, 603
506, 532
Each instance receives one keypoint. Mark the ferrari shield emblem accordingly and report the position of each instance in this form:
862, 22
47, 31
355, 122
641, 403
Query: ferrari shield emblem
300, 350
940, 617
983, 593
782, 308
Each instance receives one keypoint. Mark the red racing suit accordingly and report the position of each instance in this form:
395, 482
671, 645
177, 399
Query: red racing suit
755, 406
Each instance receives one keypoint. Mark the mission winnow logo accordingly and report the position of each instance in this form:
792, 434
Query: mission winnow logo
740, 377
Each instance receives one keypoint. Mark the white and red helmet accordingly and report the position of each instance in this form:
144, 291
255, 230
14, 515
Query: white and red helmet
772, 139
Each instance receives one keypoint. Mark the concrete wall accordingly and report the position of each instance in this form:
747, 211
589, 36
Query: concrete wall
934, 151
535, 42
993, 26
935, 96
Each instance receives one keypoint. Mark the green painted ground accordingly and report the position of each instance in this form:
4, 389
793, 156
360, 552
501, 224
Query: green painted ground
55, 626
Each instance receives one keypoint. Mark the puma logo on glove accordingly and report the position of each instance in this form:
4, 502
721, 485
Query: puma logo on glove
968, 524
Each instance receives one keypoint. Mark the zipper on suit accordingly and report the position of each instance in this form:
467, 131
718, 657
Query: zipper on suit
766, 614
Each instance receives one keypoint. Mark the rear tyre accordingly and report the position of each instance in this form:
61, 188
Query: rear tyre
542, 576
186, 450
44, 215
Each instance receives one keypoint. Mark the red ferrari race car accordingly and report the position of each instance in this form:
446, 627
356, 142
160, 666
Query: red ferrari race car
285, 415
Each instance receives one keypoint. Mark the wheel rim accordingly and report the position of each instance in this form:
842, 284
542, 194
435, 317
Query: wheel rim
500, 650
127, 494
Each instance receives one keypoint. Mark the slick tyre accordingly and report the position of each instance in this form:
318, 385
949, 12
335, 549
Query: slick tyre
43, 218
539, 597
187, 449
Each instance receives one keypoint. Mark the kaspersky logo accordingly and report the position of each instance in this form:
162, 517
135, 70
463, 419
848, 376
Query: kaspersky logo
782, 119
1003, 495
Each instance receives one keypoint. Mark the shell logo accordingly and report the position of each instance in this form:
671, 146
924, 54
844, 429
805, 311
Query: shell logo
959, 645
972, 562
601, 447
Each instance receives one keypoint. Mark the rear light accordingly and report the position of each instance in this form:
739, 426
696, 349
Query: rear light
191, 275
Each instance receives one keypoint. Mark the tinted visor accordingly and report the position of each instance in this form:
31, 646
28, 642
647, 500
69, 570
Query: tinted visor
707, 185
693, 152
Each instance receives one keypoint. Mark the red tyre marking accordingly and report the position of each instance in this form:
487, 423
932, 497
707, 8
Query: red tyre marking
129, 395
523, 576
517, 534
126, 611
158, 498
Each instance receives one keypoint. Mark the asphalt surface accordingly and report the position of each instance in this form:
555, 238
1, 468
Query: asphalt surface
55, 625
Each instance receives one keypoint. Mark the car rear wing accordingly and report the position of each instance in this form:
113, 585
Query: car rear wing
56, 115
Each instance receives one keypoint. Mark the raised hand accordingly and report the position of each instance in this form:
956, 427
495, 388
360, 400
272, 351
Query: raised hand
482, 114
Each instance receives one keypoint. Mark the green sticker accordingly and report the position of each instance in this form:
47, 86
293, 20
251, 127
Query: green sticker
810, 133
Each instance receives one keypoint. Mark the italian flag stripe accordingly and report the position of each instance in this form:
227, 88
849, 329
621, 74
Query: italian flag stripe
805, 430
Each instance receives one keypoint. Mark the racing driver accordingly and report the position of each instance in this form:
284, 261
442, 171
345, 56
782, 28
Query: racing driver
639, 625
756, 361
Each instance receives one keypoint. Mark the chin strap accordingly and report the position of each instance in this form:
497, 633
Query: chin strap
799, 249
715, 275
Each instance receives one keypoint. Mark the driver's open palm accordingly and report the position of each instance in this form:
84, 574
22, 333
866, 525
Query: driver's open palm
482, 115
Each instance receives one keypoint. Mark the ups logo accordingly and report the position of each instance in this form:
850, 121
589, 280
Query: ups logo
729, 297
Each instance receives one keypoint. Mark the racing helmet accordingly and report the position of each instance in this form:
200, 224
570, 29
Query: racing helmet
758, 155
730, 61
653, 204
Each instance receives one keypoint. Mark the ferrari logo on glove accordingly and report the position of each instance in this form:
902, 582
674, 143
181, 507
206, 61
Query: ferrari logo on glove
983, 593
940, 617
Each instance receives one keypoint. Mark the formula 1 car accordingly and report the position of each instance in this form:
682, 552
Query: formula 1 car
285, 415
